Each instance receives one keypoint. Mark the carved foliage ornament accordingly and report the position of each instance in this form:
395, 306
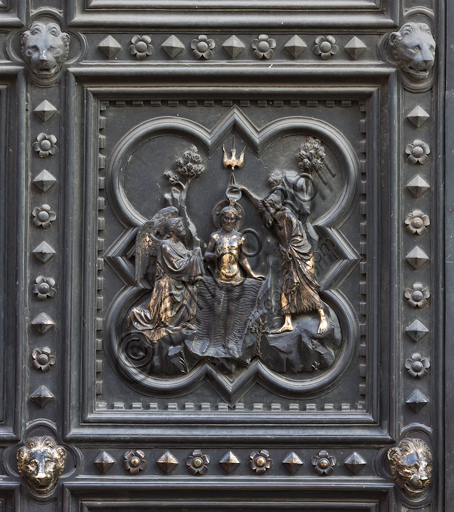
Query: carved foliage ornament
411, 466
412, 48
45, 48
40, 462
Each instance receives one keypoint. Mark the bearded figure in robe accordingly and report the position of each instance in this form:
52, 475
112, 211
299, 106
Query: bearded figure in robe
299, 293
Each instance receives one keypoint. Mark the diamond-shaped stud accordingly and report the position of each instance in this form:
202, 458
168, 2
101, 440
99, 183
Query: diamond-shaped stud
42, 396
172, 46
44, 180
44, 252
229, 462
167, 462
355, 47
417, 257
109, 46
355, 463
417, 186
233, 47
418, 116
104, 462
45, 110
416, 401
292, 462
295, 46
417, 330
42, 323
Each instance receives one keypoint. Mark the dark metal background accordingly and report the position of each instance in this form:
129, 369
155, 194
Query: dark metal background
96, 408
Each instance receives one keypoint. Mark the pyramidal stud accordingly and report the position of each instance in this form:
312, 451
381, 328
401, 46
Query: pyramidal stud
418, 186
167, 462
104, 462
417, 330
44, 180
295, 46
355, 48
109, 46
229, 462
354, 462
42, 323
43, 252
418, 116
233, 47
416, 401
42, 396
417, 257
172, 46
45, 110
292, 462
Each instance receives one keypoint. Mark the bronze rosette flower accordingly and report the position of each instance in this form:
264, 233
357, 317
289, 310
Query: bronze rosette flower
417, 296
45, 145
44, 287
43, 359
202, 47
134, 461
141, 47
417, 222
263, 46
417, 366
418, 152
323, 463
325, 47
43, 216
260, 461
198, 462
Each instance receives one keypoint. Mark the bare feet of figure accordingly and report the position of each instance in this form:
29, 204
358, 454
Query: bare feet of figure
323, 325
286, 327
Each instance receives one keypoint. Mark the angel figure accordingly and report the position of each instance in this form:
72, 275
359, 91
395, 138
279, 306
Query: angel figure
172, 306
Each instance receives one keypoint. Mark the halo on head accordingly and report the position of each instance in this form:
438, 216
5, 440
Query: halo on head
216, 214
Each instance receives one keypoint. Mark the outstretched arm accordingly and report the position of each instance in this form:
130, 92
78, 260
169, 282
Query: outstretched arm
253, 198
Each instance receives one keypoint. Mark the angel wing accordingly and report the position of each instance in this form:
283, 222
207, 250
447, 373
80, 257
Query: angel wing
148, 241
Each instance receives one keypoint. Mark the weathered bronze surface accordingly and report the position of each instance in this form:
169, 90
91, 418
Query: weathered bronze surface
224, 255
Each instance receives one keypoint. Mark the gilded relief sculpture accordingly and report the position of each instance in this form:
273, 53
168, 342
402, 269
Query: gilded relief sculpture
41, 462
411, 466
217, 308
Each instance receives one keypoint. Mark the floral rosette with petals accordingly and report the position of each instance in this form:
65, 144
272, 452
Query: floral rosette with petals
325, 47
323, 463
198, 462
263, 46
416, 222
417, 366
260, 461
43, 359
43, 216
202, 47
418, 152
417, 296
45, 145
44, 287
134, 461
141, 47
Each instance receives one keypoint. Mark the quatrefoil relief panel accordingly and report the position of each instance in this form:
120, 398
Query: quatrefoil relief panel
233, 343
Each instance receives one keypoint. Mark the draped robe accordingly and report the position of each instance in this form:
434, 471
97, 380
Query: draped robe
300, 287
173, 303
